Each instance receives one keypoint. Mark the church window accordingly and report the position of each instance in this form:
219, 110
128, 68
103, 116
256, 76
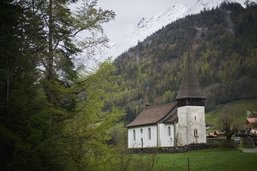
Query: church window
169, 132
195, 118
134, 134
149, 133
195, 132
141, 130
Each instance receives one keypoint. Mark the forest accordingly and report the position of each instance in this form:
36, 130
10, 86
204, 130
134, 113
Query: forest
53, 116
225, 58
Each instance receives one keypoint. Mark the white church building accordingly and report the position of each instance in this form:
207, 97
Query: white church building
175, 124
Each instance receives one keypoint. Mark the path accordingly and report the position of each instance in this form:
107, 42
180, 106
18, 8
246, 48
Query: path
249, 150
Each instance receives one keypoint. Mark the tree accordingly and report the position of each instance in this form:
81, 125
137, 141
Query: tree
86, 134
61, 28
229, 122
22, 104
37, 79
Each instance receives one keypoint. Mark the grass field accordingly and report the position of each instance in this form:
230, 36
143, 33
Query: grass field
203, 160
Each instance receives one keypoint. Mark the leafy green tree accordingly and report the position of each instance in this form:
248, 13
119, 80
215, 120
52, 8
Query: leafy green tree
87, 133
229, 123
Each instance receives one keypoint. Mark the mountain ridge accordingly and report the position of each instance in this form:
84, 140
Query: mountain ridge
148, 25
226, 58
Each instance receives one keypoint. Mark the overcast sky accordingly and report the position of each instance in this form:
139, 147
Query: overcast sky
129, 12
133, 10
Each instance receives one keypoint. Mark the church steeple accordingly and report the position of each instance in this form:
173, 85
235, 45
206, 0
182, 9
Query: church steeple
190, 92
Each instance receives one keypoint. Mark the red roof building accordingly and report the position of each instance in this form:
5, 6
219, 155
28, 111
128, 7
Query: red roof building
251, 122
174, 124
155, 114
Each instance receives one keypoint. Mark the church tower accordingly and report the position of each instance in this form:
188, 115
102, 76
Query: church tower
190, 108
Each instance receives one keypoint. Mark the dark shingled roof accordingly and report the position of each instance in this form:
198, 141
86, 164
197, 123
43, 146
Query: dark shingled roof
190, 87
172, 118
153, 115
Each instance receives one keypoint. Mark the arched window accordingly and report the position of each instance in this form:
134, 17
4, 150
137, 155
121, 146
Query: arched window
134, 134
149, 133
141, 130
169, 132
195, 132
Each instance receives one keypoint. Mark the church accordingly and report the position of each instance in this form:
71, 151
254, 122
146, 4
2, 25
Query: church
174, 124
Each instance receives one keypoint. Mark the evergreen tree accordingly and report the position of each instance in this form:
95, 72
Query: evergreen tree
22, 126
37, 79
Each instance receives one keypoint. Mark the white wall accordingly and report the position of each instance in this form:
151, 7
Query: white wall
166, 140
137, 143
190, 118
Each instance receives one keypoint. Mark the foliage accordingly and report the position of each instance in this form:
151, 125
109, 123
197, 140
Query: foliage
23, 118
87, 132
44, 124
229, 122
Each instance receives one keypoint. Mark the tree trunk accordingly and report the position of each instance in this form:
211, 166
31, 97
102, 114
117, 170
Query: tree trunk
50, 42
7, 84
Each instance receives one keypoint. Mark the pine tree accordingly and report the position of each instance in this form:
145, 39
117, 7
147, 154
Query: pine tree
22, 106
37, 77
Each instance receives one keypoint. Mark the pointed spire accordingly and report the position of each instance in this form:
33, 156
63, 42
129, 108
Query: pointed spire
190, 87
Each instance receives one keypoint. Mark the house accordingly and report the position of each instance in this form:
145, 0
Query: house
215, 134
175, 124
251, 121
253, 131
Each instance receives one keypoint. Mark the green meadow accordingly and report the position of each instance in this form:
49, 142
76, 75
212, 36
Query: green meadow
202, 160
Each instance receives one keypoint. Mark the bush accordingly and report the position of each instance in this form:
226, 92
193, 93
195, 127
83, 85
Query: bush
228, 144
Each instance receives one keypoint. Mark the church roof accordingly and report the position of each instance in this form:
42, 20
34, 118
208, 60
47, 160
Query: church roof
152, 115
172, 117
190, 87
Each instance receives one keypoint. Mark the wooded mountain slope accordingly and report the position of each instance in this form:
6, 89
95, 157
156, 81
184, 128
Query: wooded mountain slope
225, 59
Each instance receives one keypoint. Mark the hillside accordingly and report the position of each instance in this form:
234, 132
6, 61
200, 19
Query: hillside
240, 108
225, 58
